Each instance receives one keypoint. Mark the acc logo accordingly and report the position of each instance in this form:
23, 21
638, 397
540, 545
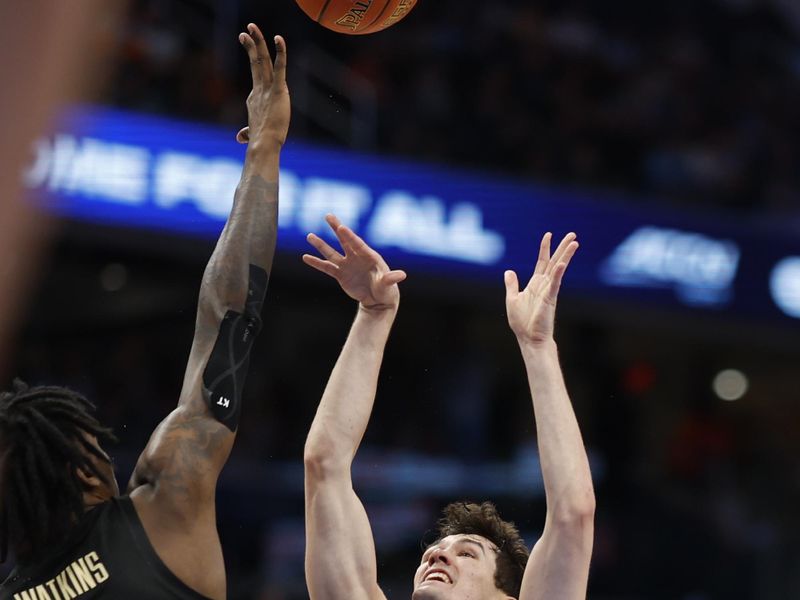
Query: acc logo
698, 268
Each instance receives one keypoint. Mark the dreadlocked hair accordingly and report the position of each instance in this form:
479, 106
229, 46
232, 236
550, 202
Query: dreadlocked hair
43, 441
466, 518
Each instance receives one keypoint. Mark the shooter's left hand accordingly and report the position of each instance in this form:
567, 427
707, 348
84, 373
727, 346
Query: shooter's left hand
531, 312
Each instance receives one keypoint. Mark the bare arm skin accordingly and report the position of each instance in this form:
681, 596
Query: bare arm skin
340, 551
173, 485
558, 568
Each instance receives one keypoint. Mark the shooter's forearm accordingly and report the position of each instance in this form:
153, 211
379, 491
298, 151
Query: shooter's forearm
565, 467
346, 404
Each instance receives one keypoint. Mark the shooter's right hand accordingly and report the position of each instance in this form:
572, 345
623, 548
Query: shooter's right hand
362, 272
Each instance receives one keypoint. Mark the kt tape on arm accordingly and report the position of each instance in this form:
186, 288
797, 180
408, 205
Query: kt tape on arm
227, 366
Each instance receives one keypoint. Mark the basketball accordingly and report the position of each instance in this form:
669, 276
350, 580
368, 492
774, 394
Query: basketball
356, 17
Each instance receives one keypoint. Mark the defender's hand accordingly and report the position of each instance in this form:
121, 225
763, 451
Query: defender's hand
362, 272
531, 312
268, 105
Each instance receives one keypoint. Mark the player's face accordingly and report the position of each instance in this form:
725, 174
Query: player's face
458, 567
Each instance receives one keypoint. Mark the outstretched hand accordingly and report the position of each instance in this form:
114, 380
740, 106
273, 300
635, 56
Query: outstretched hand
531, 312
268, 105
362, 272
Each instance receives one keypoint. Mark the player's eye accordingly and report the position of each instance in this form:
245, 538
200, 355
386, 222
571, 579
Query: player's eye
466, 553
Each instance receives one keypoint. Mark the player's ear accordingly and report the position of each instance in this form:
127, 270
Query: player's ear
88, 480
243, 136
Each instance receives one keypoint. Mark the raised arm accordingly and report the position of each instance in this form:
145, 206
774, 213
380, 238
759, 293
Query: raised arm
558, 568
173, 485
340, 551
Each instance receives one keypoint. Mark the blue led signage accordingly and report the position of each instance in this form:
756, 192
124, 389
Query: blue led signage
131, 170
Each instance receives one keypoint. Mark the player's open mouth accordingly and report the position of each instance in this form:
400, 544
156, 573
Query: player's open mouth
438, 576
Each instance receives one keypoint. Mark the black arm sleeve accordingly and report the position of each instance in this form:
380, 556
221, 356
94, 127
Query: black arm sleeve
226, 371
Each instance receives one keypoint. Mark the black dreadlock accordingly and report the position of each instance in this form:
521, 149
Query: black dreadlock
42, 444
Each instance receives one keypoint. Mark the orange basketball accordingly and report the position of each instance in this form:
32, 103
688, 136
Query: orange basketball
355, 17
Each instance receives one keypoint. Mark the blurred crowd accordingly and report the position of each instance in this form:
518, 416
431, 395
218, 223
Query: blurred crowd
692, 101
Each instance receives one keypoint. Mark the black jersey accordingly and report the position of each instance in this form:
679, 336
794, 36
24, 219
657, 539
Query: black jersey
107, 555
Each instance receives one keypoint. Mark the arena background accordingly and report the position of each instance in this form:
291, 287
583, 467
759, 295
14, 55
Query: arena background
681, 118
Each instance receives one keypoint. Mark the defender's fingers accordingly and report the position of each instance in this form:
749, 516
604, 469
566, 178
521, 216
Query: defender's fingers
280, 60
265, 60
321, 265
260, 61
323, 248
243, 137
393, 277
558, 255
512, 284
544, 254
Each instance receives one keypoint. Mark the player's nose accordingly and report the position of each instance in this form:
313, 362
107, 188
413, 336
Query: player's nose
440, 555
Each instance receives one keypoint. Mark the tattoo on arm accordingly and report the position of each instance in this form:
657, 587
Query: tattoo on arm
248, 237
182, 466
190, 447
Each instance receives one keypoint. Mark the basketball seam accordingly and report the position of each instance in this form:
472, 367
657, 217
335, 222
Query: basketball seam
322, 10
380, 14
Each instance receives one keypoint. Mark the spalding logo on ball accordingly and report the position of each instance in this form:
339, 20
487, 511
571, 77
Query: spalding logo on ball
355, 17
